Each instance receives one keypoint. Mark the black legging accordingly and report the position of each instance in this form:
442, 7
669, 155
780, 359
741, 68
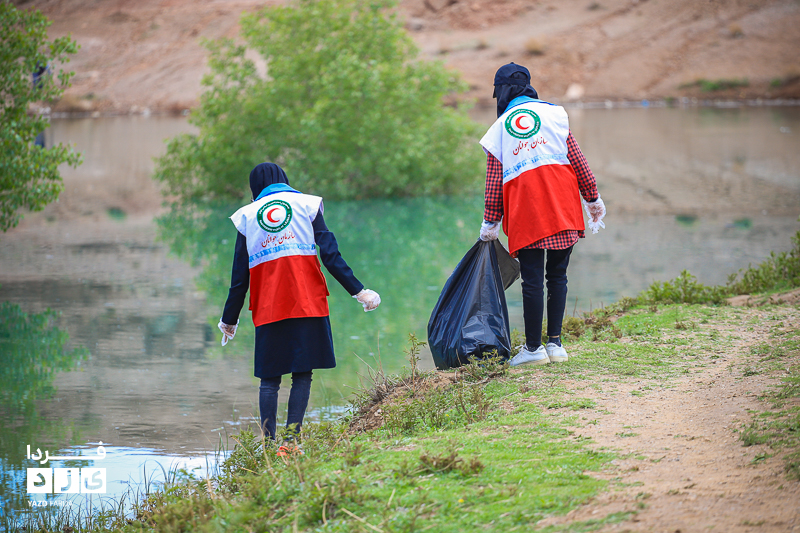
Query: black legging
298, 401
534, 269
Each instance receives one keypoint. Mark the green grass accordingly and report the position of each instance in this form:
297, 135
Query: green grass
495, 449
512, 471
778, 426
455, 458
509, 468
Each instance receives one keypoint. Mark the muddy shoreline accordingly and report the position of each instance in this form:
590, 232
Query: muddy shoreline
681, 103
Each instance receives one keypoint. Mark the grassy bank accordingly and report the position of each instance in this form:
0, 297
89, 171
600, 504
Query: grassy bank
488, 447
481, 447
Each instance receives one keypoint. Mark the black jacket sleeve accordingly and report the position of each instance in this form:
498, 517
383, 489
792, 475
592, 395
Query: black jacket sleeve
240, 281
332, 259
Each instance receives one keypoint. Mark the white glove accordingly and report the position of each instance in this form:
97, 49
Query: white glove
228, 331
369, 299
596, 211
490, 231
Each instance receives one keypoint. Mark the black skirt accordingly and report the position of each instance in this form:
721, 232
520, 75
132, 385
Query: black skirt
293, 345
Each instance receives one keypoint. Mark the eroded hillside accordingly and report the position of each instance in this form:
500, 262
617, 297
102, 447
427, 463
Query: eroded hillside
147, 54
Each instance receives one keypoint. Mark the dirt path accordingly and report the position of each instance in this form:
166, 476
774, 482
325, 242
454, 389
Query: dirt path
686, 469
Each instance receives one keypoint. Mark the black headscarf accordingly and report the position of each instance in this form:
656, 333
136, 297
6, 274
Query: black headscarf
264, 175
510, 81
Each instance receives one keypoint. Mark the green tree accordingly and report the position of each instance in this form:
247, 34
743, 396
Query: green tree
345, 106
29, 177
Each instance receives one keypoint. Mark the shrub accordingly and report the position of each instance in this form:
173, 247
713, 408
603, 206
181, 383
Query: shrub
345, 107
778, 272
685, 289
438, 408
572, 327
449, 462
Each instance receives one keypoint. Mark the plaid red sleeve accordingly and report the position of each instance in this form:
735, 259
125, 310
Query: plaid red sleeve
493, 206
586, 182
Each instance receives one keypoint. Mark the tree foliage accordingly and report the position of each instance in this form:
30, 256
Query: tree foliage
29, 177
345, 106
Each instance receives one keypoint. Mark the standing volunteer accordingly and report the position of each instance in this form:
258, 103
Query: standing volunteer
276, 258
535, 178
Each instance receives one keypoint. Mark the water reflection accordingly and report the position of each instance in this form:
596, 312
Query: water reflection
120, 477
33, 352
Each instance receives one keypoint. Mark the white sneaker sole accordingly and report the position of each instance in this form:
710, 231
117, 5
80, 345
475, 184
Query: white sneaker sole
539, 362
519, 361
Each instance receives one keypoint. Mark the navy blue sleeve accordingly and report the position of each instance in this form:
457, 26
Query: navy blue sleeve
240, 281
332, 259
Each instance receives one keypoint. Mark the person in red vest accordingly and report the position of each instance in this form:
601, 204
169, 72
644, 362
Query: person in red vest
275, 258
536, 179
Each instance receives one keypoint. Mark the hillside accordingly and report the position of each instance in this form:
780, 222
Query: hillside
147, 55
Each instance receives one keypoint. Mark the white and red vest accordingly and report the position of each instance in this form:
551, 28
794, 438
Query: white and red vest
285, 277
540, 189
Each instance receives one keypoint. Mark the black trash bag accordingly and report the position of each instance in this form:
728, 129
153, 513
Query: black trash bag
471, 318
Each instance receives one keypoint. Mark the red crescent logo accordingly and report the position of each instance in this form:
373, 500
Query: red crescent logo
269, 215
518, 125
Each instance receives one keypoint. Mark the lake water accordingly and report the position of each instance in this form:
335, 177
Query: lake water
133, 360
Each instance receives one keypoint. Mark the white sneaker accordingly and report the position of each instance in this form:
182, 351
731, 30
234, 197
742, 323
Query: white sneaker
555, 353
525, 356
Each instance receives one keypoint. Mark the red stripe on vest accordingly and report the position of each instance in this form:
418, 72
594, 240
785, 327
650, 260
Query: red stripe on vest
539, 203
287, 287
